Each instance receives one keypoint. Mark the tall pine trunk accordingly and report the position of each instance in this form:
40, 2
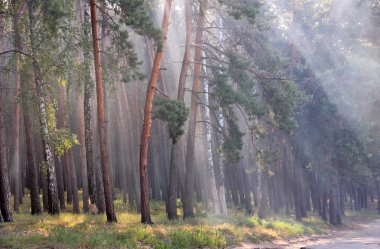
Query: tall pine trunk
176, 147
5, 194
87, 112
145, 208
188, 205
17, 112
83, 159
111, 217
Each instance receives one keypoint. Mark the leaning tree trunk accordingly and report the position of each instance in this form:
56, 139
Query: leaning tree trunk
111, 217
145, 209
176, 147
53, 203
188, 205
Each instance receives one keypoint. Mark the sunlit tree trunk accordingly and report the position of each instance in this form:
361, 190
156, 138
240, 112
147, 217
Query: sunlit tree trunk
111, 217
145, 209
188, 205
49, 159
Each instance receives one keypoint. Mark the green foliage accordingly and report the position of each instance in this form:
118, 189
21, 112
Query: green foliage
53, 12
175, 113
233, 142
62, 139
134, 14
242, 8
352, 157
284, 98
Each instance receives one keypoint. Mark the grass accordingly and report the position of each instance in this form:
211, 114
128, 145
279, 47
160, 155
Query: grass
88, 231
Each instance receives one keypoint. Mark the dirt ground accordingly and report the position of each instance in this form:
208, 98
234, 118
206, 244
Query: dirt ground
359, 234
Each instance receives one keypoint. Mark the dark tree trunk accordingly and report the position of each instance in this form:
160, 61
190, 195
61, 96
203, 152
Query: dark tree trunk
111, 217
324, 205
32, 165
41, 171
5, 191
17, 113
87, 111
60, 183
69, 190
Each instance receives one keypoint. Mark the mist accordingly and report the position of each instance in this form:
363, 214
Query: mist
189, 110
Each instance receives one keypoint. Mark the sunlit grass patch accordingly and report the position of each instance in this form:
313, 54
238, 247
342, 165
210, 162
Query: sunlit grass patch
69, 230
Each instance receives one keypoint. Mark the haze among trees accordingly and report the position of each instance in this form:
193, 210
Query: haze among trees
206, 108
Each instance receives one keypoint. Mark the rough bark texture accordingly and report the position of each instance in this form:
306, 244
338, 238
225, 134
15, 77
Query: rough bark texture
176, 148
110, 212
145, 209
5, 191
188, 205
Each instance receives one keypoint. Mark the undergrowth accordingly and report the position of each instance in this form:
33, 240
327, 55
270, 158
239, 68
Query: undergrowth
89, 231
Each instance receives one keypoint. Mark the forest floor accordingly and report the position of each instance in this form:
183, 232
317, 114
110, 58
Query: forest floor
92, 231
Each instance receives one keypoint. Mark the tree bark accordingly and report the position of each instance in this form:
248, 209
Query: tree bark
110, 212
17, 111
53, 202
74, 184
83, 159
32, 165
5, 191
188, 205
145, 209
176, 148
87, 110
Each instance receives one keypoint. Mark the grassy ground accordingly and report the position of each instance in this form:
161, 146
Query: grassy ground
88, 231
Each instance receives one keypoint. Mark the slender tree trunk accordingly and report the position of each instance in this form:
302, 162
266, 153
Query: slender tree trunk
176, 148
17, 111
264, 196
74, 184
69, 190
111, 217
188, 205
145, 209
83, 159
5, 191
49, 159
87, 111
32, 165
38, 146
